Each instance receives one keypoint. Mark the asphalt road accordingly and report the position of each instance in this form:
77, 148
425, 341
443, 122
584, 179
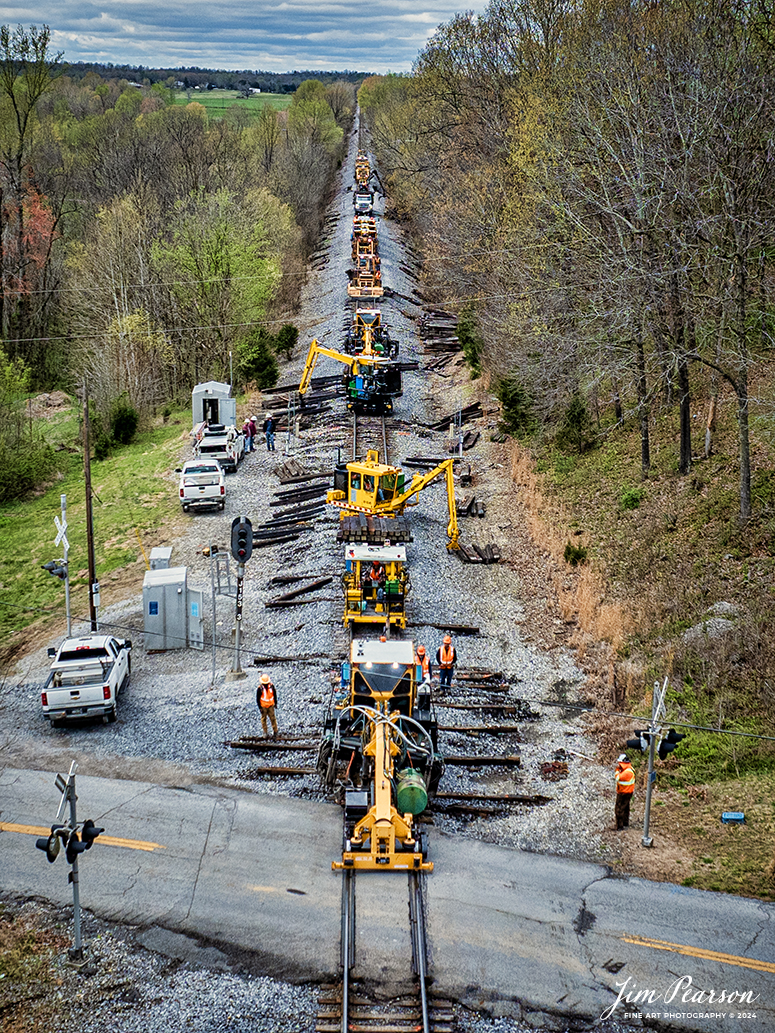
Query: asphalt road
252, 873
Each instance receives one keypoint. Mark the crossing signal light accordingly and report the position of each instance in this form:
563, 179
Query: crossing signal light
50, 844
57, 568
670, 742
74, 847
89, 833
241, 539
643, 741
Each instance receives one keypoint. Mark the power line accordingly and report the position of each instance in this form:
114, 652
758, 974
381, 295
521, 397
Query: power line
526, 699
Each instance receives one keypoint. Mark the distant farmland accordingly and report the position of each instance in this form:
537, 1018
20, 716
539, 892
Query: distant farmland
218, 101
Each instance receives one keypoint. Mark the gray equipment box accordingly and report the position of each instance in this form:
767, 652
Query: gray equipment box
172, 612
161, 556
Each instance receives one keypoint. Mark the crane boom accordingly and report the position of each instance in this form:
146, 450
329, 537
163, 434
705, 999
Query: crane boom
376, 489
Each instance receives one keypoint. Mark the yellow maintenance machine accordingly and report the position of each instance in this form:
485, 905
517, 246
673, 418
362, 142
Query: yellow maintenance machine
378, 490
365, 279
362, 169
376, 585
379, 746
371, 381
368, 335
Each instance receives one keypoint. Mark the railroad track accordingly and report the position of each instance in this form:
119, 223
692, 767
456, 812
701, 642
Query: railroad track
369, 432
345, 1008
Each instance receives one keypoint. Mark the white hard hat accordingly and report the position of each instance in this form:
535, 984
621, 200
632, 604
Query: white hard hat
622, 757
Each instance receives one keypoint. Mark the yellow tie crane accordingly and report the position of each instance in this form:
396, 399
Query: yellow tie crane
379, 490
372, 380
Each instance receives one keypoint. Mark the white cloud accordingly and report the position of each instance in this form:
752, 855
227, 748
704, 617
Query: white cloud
280, 36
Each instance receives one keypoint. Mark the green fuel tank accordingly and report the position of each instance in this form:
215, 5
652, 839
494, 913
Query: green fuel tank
411, 794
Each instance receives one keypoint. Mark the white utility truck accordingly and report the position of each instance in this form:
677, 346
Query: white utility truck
202, 485
86, 676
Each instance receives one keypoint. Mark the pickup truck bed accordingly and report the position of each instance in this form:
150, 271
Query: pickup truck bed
85, 679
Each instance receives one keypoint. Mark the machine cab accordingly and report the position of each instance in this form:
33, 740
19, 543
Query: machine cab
375, 584
368, 485
380, 671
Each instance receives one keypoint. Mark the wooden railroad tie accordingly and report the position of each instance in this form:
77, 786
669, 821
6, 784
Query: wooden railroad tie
479, 554
374, 530
313, 586
471, 506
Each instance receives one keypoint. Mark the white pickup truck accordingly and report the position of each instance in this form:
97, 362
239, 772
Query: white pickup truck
85, 678
202, 485
214, 441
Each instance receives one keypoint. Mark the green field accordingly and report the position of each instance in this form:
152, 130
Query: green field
136, 500
218, 102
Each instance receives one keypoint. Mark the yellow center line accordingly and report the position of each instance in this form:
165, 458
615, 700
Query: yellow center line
699, 952
129, 844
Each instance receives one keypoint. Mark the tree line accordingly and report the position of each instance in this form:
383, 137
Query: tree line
593, 182
143, 245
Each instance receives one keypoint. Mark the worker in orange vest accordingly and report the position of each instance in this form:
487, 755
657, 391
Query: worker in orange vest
625, 784
424, 669
446, 658
266, 701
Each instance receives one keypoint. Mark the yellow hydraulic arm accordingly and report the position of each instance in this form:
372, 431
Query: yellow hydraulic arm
315, 350
368, 357
420, 481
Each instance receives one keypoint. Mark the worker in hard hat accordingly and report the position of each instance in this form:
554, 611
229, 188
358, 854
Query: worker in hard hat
266, 701
625, 784
423, 663
374, 580
446, 658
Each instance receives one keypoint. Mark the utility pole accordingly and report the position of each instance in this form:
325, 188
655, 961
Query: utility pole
655, 732
94, 587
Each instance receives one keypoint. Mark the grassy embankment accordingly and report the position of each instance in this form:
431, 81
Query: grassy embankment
135, 500
659, 554
218, 102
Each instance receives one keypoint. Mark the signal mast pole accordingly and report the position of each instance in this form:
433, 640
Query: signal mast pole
93, 588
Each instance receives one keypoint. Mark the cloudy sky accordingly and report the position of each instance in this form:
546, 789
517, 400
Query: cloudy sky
270, 35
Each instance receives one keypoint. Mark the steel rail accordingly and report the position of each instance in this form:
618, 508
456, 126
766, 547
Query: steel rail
347, 941
419, 944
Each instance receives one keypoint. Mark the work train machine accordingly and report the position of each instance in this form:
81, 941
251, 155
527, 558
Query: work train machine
366, 276
372, 380
380, 493
379, 746
380, 742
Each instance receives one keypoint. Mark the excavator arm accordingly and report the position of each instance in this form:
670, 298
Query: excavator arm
315, 350
420, 481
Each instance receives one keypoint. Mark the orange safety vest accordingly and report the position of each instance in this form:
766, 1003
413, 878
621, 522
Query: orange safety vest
625, 779
447, 656
424, 663
267, 696
376, 573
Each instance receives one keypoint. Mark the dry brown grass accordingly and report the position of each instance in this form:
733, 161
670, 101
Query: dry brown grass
582, 591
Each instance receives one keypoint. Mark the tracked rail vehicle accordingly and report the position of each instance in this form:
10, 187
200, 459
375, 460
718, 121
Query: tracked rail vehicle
367, 334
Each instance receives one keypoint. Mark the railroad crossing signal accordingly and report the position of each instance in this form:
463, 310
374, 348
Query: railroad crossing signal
61, 526
76, 839
670, 742
642, 742
57, 568
241, 539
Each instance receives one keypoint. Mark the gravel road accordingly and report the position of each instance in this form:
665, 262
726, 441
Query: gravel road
175, 718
